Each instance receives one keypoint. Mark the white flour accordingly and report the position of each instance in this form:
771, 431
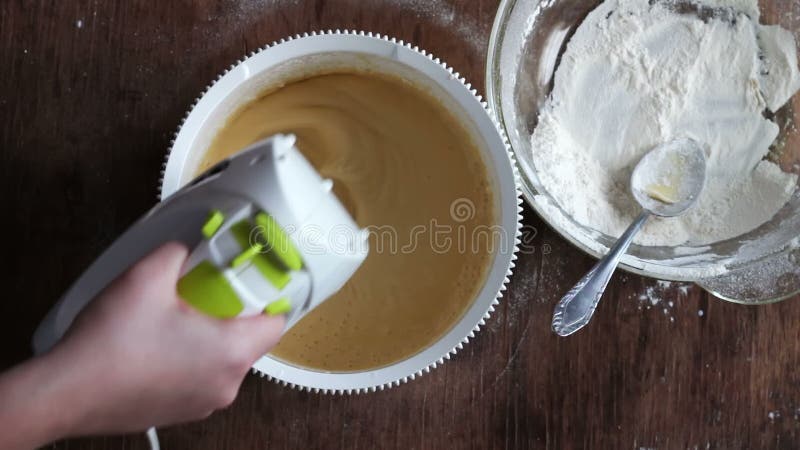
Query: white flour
636, 75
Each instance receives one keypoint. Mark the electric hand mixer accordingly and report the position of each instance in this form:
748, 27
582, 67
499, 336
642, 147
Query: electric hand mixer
267, 232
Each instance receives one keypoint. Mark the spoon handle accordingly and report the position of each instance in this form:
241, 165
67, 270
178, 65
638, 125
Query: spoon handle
575, 309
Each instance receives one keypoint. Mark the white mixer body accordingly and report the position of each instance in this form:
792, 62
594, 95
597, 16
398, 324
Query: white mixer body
267, 235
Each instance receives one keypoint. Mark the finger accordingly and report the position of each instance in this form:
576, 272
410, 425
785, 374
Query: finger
147, 279
262, 332
168, 259
155, 275
163, 263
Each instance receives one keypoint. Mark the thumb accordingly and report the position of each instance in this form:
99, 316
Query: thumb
163, 263
261, 332
171, 257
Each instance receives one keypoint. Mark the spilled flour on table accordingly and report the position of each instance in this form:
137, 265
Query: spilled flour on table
663, 296
443, 14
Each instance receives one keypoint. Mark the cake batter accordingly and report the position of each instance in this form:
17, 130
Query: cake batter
399, 160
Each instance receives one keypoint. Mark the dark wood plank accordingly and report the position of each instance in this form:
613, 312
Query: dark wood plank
90, 95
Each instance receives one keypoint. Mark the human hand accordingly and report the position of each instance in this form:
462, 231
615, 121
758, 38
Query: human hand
154, 360
139, 356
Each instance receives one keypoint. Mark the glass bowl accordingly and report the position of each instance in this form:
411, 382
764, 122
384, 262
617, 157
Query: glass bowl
760, 266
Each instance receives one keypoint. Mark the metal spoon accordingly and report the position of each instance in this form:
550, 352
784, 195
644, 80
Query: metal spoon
666, 182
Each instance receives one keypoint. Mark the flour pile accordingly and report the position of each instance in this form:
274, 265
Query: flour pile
636, 75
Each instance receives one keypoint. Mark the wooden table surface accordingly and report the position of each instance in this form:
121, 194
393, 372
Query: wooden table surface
90, 95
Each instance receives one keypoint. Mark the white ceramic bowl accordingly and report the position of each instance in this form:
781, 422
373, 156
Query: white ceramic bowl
331, 51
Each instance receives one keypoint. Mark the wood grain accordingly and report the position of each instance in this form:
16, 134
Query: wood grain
90, 95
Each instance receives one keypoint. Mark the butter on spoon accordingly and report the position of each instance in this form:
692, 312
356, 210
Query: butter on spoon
665, 193
666, 182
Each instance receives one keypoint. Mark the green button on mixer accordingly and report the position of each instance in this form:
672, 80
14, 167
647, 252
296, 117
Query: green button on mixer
247, 255
214, 221
269, 269
278, 242
206, 288
280, 306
